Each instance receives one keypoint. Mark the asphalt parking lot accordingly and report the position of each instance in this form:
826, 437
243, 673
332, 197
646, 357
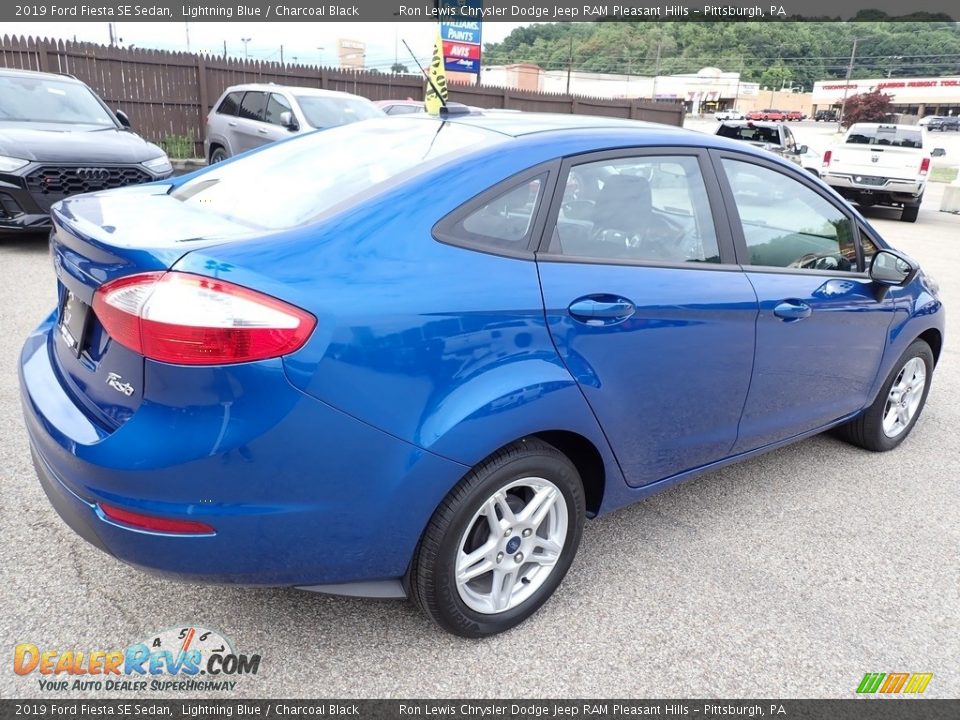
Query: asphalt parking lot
790, 575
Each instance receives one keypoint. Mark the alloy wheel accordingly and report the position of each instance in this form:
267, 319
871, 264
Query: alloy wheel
511, 545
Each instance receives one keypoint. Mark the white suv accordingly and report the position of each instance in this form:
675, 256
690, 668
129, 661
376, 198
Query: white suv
248, 116
879, 164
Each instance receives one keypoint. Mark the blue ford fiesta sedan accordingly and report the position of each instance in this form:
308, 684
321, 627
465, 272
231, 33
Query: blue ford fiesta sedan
410, 356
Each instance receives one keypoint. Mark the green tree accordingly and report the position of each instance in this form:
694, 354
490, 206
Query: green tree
399, 68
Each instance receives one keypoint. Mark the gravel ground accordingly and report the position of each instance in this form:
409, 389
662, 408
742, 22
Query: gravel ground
789, 575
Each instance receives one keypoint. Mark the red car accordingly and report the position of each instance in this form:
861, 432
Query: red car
794, 116
756, 115
774, 115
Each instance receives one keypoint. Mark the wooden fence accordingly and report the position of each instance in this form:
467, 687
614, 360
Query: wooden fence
167, 95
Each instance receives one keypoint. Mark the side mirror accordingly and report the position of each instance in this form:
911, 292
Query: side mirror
803, 150
122, 117
289, 121
890, 268
938, 152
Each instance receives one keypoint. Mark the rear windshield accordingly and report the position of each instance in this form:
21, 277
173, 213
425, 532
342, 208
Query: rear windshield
890, 135
751, 134
293, 182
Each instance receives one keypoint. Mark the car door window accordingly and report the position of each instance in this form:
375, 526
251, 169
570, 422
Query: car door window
786, 224
253, 106
788, 140
644, 209
275, 106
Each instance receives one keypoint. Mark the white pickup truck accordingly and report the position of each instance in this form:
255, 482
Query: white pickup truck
878, 164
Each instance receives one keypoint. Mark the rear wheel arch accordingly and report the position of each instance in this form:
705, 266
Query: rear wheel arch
587, 458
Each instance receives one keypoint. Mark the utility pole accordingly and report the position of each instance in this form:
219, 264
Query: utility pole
736, 94
113, 35
224, 49
569, 63
846, 84
186, 30
281, 55
656, 71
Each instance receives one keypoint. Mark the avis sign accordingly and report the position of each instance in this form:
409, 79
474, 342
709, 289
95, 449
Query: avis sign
461, 35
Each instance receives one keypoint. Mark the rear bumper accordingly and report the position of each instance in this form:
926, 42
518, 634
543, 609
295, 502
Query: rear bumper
892, 191
298, 493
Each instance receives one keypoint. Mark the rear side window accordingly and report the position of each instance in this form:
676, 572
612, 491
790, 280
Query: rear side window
253, 106
505, 222
887, 135
230, 104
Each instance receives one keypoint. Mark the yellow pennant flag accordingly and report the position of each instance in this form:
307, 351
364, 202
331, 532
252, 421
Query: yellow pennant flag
433, 101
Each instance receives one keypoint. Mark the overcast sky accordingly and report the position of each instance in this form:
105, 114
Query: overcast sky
299, 40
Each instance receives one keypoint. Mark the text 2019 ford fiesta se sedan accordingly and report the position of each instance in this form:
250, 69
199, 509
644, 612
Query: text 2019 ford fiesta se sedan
412, 355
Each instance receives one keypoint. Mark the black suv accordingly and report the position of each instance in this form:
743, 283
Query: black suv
826, 116
57, 138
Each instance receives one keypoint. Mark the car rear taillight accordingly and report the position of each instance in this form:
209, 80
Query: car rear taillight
924, 166
826, 158
196, 320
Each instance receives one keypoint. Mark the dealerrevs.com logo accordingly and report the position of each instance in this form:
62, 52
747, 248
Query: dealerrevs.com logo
187, 659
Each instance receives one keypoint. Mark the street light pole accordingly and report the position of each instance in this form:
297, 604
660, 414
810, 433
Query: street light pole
245, 41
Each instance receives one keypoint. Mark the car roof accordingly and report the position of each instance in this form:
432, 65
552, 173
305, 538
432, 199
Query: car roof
34, 74
753, 123
887, 125
295, 89
517, 124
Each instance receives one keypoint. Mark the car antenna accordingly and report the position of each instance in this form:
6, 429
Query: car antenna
414, 57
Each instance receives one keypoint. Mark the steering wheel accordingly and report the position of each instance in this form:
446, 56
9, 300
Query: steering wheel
818, 261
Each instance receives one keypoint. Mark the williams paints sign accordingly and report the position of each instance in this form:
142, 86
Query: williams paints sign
461, 38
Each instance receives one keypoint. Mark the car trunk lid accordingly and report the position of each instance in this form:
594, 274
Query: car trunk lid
100, 237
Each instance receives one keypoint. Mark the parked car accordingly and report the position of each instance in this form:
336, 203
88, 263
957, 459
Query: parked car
728, 115
825, 116
774, 115
57, 139
879, 164
350, 389
756, 115
248, 116
794, 116
400, 107
773, 137
944, 123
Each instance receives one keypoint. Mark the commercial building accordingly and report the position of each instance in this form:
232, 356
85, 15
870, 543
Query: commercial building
701, 92
909, 96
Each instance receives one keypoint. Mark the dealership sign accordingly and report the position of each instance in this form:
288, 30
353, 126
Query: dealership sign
461, 37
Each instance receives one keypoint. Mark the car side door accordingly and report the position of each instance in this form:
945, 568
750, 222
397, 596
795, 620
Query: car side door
823, 323
251, 129
647, 307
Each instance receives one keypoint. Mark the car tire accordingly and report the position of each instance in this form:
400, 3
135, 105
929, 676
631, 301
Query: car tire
910, 213
218, 155
461, 526
869, 430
